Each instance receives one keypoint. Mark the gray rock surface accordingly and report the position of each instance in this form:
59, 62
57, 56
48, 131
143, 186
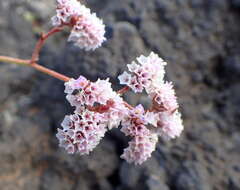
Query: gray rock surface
200, 40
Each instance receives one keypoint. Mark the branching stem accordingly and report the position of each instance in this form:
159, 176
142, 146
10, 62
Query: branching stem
41, 41
35, 57
34, 65
123, 90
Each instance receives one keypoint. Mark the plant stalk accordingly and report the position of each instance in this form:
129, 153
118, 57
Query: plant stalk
35, 66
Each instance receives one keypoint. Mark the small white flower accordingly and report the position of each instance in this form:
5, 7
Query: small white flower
124, 78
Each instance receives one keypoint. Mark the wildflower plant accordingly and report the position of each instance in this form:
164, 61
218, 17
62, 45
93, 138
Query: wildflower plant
97, 107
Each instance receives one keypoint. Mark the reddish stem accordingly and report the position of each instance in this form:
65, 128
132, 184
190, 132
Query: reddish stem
14, 60
50, 72
36, 66
41, 41
35, 57
123, 90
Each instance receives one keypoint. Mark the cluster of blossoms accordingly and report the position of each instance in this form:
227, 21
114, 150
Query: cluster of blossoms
87, 29
81, 132
144, 140
98, 109
148, 74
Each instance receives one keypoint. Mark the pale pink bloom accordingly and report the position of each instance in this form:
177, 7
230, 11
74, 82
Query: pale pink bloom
73, 84
169, 125
135, 130
165, 98
140, 149
67, 123
69, 86
82, 92
133, 67
105, 91
87, 29
135, 84
56, 21
81, 82
135, 114
124, 78
134, 123
152, 118
144, 140
88, 33
138, 112
147, 73
66, 10
81, 133
114, 117
116, 113
77, 100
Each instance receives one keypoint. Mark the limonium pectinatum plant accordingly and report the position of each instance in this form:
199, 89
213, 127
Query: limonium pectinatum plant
97, 107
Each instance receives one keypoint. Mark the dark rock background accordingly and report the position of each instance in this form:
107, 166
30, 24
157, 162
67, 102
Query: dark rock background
200, 40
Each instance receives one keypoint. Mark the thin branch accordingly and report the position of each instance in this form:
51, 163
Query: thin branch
41, 41
123, 90
50, 72
35, 66
14, 60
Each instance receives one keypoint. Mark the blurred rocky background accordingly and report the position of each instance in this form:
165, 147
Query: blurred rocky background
200, 39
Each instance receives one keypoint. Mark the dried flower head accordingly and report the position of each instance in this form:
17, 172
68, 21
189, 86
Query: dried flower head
140, 149
83, 92
81, 132
147, 73
134, 123
169, 125
164, 98
99, 108
87, 29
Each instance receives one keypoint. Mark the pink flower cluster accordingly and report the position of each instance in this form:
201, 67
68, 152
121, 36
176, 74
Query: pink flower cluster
140, 149
81, 132
149, 75
82, 92
87, 29
144, 140
99, 108
146, 74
